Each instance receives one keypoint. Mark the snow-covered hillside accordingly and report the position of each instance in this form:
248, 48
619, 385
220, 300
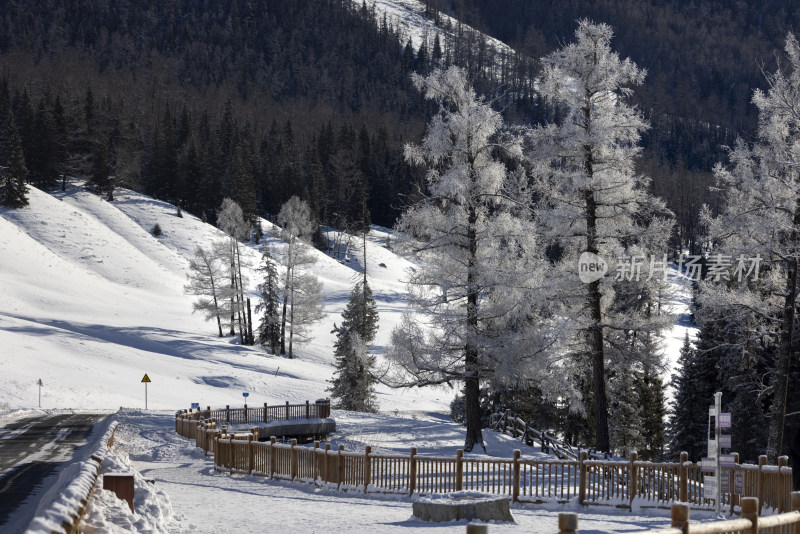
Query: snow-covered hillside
90, 301
408, 17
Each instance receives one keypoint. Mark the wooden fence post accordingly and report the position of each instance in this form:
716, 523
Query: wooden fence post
750, 508
762, 462
266, 419
367, 468
315, 467
228, 413
273, 458
459, 469
783, 461
327, 467
683, 495
796, 508
233, 452
245, 412
679, 517
734, 496
339, 466
308, 411
293, 460
250, 454
633, 477
567, 523
412, 471
516, 477
474, 528
287, 410
582, 482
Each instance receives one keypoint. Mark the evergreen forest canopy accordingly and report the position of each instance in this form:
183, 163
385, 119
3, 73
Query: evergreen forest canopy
258, 101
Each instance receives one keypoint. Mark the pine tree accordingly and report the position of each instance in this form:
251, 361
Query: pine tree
650, 389
269, 329
478, 255
13, 190
625, 416
759, 217
693, 385
594, 203
354, 381
361, 313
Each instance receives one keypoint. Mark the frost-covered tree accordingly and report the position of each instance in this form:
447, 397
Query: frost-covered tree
231, 221
592, 201
206, 280
758, 229
13, 190
353, 384
472, 295
269, 328
301, 290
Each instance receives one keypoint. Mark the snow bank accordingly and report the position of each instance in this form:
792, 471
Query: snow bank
64, 512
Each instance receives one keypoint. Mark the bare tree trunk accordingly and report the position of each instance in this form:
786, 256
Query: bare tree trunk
472, 391
251, 339
595, 330
777, 417
286, 287
291, 323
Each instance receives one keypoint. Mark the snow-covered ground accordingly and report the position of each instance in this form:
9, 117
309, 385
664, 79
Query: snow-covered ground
90, 301
188, 495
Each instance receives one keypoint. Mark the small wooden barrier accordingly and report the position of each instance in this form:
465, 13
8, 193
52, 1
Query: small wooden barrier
121, 484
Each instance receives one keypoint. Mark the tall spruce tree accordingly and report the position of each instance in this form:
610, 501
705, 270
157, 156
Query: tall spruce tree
480, 280
693, 384
269, 328
354, 381
594, 204
13, 190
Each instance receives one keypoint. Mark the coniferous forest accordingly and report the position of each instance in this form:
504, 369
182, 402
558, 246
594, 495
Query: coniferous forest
261, 101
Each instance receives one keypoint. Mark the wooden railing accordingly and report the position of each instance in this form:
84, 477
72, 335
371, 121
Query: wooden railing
517, 428
260, 414
521, 479
616, 483
749, 521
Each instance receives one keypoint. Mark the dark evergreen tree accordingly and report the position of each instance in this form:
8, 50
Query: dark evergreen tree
269, 328
361, 312
353, 384
650, 389
13, 190
694, 385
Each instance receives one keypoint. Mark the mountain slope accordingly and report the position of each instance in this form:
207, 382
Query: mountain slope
90, 301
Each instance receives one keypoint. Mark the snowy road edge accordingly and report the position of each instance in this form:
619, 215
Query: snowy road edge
65, 512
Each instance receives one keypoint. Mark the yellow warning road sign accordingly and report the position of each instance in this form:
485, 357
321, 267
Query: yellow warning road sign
146, 378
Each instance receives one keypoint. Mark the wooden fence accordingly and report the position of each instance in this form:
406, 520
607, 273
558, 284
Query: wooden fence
260, 414
616, 483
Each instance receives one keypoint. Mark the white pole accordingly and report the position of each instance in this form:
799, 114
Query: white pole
145, 395
40, 393
718, 490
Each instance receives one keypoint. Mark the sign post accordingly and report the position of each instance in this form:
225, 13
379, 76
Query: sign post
40, 392
146, 380
717, 419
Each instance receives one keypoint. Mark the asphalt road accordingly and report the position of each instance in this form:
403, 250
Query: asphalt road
30, 450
